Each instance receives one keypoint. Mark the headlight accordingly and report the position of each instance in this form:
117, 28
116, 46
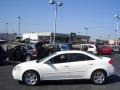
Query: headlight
17, 68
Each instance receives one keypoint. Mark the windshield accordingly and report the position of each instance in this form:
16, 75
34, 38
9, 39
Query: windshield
40, 60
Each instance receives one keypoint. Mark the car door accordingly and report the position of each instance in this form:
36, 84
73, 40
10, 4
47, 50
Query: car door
55, 68
79, 65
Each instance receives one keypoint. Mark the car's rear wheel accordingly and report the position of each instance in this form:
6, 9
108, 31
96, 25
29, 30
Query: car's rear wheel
31, 78
99, 77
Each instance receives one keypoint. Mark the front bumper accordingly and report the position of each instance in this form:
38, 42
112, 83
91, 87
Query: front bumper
17, 75
111, 71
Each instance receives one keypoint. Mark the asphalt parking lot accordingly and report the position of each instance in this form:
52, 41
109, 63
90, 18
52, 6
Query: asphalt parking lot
7, 82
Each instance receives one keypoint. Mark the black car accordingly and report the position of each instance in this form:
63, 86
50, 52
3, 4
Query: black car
26, 52
2, 54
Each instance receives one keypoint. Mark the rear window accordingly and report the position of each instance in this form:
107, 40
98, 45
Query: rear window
29, 47
79, 57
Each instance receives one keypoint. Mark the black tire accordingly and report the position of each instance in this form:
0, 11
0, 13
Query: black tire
28, 58
31, 78
20, 82
99, 77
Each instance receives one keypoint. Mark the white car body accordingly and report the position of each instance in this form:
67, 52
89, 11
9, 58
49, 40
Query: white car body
68, 70
91, 48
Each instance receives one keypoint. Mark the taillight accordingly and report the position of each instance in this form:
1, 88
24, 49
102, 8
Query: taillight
34, 52
110, 62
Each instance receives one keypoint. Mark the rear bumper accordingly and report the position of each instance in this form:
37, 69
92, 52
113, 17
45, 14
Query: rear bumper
111, 71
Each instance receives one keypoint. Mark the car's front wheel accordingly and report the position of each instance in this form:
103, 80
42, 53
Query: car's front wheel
99, 77
31, 78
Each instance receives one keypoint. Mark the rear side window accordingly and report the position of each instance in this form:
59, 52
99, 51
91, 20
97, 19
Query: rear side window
79, 57
90, 46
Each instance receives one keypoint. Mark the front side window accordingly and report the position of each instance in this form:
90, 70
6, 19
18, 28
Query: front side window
63, 58
79, 57
64, 47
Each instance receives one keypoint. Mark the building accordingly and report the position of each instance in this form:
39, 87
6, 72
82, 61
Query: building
112, 42
60, 37
9, 37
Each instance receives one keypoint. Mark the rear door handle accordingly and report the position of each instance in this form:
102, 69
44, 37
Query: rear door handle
66, 66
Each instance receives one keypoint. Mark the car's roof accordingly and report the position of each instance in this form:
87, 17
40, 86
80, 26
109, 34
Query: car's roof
71, 51
86, 44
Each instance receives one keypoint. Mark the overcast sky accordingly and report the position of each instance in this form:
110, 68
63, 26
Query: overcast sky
73, 16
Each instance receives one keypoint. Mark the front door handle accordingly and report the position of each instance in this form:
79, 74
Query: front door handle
90, 64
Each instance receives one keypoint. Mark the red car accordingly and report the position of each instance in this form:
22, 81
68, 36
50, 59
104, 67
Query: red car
105, 50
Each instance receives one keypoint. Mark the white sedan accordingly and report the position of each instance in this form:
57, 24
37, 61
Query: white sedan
65, 65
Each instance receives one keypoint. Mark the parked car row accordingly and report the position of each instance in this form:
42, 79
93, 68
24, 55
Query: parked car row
27, 52
97, 49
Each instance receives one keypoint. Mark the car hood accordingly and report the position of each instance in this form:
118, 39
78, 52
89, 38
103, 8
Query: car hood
28, 63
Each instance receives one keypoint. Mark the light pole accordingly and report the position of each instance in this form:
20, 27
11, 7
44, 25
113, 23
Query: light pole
117, 28
19, 18
6, 30
86, 29
116, 37
56, 3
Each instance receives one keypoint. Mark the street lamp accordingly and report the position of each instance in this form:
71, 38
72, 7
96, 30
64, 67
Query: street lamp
56, 3
78, 33
19, 18
86, 29
117, 27
6, 28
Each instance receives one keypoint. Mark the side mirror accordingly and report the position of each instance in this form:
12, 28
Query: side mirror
48, 62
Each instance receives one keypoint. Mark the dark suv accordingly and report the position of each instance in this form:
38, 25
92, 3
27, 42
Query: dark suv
24, 52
